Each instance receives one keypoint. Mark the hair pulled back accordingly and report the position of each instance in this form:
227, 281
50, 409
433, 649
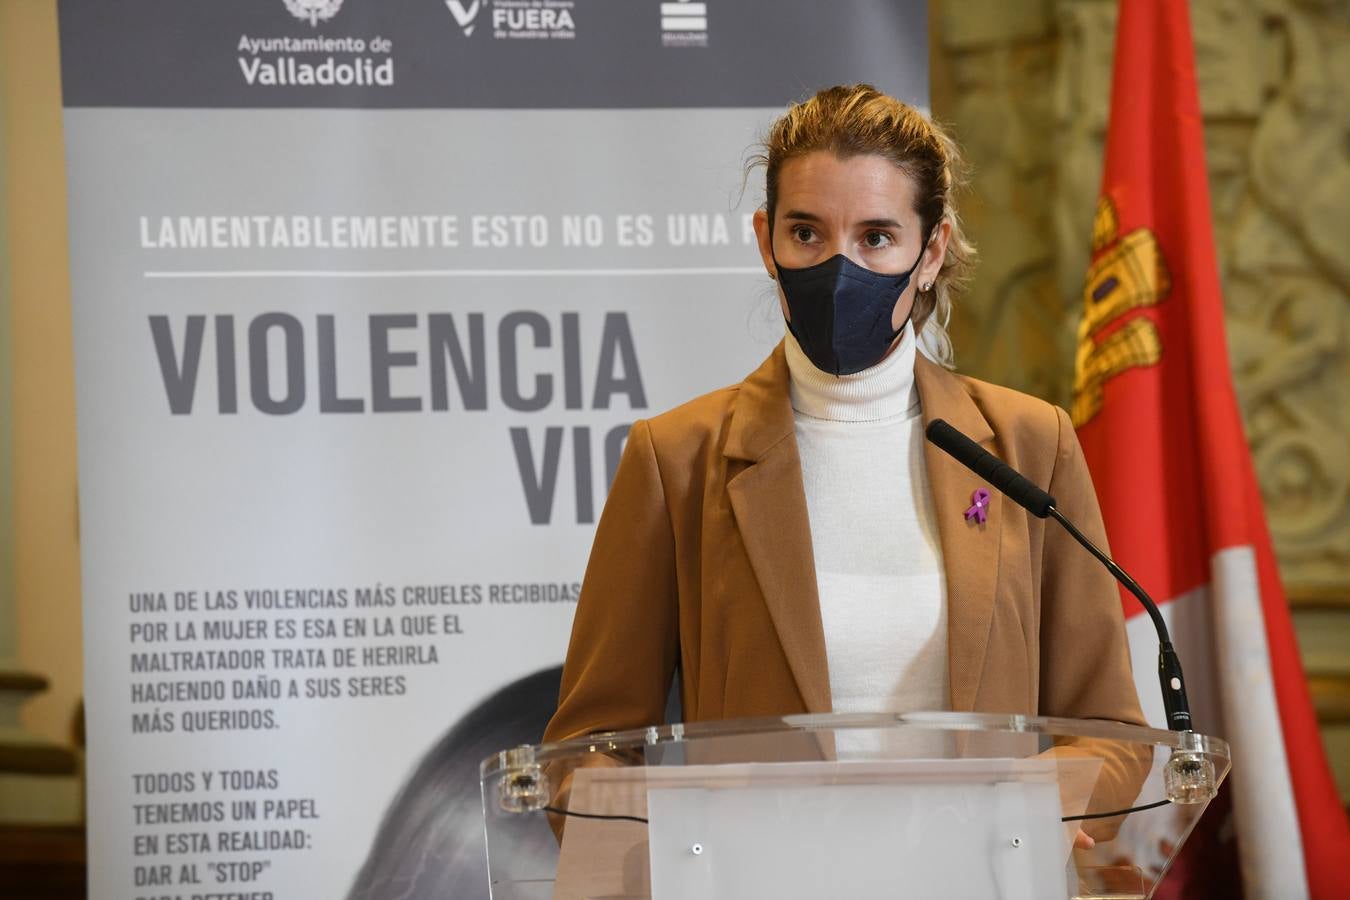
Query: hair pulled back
856, 120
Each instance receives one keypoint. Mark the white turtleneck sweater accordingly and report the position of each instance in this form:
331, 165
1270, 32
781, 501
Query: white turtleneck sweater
883, 597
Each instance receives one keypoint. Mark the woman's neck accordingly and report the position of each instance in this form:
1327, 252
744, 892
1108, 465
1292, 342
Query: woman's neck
885, 391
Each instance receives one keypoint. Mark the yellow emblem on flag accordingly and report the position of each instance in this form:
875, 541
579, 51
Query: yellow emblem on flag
1128, 273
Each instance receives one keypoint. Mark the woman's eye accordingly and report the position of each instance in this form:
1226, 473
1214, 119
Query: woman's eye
877, 239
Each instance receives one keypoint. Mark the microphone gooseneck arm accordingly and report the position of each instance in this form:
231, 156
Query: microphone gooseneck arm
1121, 575
1170, 680
1039, 503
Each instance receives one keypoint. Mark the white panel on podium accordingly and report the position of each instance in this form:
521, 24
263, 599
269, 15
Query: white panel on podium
734, 831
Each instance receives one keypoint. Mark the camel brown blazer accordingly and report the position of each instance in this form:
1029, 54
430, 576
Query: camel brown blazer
702, 564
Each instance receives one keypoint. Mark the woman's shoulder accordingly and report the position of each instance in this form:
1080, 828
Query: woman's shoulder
695, 421
1013, 411
1026, 428
749, 412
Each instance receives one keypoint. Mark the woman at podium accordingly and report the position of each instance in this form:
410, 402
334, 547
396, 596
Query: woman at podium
791, 543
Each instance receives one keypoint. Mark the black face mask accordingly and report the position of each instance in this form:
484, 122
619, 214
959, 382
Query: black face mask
841, 312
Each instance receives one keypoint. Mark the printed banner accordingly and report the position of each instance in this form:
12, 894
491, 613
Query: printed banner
366, 296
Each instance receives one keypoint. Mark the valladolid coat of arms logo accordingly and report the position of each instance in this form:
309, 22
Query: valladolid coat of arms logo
313, 11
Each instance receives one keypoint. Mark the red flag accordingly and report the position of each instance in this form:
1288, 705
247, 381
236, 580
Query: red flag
1159, 422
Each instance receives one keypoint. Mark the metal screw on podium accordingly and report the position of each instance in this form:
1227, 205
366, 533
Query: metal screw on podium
697, 849
524, 786
1188, 776
1017, 842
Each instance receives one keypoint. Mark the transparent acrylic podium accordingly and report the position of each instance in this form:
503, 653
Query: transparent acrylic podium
929, 805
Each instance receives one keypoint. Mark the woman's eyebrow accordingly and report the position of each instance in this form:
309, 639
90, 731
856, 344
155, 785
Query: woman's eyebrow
804, 216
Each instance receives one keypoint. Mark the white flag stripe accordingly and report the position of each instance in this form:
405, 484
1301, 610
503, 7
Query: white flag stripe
1267, 819
1232, 696
1191, 625
684, 9
684, 24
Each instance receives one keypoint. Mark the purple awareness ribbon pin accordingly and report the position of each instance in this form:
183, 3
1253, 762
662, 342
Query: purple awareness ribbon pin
979, 506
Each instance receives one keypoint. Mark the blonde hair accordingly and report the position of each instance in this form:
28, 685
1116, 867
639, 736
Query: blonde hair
856, 120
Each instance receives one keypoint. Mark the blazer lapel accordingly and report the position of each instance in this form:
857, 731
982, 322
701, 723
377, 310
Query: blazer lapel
970, 551
769, 504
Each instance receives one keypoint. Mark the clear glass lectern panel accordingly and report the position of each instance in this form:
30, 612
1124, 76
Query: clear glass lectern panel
920, 804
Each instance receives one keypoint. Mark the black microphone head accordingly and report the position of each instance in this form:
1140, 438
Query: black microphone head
952, 441
961, 448
947, 438
985, 464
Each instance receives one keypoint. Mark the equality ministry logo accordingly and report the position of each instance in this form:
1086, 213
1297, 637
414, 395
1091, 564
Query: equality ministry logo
684, 24
313, 11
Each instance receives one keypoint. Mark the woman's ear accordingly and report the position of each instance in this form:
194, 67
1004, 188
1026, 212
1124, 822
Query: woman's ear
765, 240
934, 254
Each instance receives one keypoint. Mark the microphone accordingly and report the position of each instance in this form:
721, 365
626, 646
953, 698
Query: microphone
1185, 776
989, 467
